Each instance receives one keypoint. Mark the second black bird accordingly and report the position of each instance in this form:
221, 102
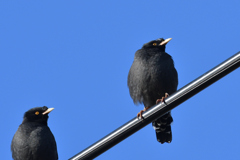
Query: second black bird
33, 139
151, 78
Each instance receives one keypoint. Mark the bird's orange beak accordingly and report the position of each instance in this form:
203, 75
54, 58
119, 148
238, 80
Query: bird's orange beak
165, 41
48, 111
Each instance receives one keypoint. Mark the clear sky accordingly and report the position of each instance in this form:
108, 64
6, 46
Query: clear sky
75, 56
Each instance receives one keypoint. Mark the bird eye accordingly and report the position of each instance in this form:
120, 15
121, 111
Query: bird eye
154, 44
37, 113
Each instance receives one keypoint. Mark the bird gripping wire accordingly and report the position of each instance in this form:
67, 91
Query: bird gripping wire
157, 111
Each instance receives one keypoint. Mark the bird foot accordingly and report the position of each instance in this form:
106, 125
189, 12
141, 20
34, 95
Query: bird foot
140, 113
162, 99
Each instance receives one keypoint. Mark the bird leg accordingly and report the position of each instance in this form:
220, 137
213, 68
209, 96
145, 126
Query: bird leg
140, 113
162, 99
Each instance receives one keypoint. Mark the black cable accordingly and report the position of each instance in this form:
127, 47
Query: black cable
157, 111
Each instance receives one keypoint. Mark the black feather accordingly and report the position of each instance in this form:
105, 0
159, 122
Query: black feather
151, 75
34, 139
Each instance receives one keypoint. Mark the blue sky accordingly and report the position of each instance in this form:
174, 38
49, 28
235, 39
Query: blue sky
75, 56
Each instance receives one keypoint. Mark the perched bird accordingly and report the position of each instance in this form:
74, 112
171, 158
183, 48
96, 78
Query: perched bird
33, 139
151, 78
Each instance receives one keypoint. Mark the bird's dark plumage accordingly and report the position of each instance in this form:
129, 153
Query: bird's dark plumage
33, 139
151, 75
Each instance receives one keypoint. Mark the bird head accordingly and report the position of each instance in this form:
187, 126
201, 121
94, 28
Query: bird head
158, 43
38, 114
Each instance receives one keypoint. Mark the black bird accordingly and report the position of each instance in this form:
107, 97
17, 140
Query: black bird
151, 78
34, 139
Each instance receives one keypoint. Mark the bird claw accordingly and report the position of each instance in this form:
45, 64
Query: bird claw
162, 99
140, 113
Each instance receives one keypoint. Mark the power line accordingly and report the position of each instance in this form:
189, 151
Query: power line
157, 111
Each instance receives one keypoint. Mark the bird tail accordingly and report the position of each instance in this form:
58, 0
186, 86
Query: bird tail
162, 127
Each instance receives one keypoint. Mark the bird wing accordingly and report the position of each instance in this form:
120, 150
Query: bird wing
43, 144
19, 145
